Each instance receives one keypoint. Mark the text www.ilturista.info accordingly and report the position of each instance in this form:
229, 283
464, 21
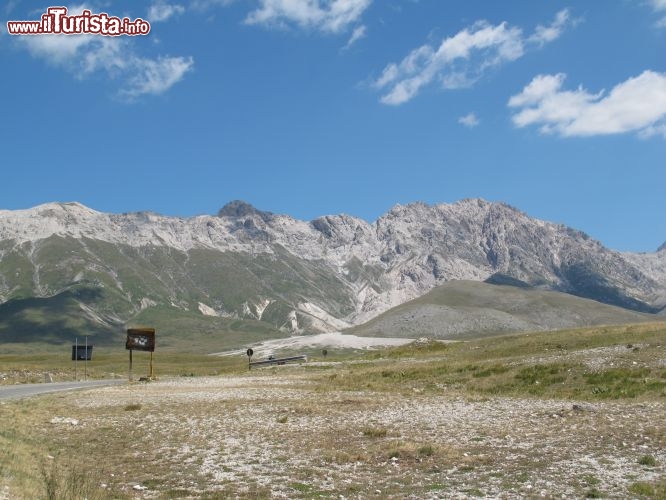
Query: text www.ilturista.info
56, 22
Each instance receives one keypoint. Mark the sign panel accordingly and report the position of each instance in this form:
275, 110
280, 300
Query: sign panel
140, 339
81, 353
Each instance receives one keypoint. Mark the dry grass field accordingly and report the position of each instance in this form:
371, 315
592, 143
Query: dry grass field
571, 414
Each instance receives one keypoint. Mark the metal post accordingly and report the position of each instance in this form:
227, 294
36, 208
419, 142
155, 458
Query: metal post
249, 353
85, 372
130, 367
76, 357
151, 365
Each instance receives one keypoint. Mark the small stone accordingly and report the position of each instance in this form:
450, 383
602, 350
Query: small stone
64, 420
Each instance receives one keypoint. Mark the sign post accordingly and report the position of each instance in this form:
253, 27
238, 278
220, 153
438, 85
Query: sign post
140, 339
81, 353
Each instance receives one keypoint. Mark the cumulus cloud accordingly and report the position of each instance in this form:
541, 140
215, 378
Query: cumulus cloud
470, 120
635, 105
83, 55
329, 16
461, 59
160, 12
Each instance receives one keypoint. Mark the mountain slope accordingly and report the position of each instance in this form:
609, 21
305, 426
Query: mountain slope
293, 276
652, 264
465, 309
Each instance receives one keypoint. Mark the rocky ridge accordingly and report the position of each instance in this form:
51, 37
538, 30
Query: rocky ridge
304, 276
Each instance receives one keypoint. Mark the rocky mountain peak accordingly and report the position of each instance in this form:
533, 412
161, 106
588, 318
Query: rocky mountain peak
72, 208
240, 208
662, 248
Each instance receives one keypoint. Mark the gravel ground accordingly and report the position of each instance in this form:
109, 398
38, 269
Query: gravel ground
278, 434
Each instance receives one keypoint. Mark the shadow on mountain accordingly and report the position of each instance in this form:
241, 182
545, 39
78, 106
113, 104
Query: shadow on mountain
590, 284
503, 279
54, 320
583, 281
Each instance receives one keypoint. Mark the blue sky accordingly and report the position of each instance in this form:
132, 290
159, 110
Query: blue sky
314, 107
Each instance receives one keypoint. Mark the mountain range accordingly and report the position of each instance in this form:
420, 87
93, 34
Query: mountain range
66, 268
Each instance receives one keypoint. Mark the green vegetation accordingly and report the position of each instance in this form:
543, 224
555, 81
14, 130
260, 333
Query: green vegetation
194, 333
67, 482
644, 489
26, 368
648, 461
538, 365
374, 432
64, 287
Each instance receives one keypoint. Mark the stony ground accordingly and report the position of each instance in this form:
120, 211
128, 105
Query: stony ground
281, 433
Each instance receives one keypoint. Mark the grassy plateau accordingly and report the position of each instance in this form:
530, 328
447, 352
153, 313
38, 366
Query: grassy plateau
567, 414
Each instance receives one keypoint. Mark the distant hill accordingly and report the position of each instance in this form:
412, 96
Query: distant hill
466, 309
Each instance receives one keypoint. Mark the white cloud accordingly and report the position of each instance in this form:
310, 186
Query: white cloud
460, 60
470, 120
206, 4
635, 105
10, 6
493, 44
659, 6
83, 55
58, 49
160, 12
329, 16
64, 50
546, 34
157, 76
357, 34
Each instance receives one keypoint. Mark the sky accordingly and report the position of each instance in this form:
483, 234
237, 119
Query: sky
317, 107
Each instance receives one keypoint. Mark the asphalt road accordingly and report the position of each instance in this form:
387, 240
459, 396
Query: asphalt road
26, 390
